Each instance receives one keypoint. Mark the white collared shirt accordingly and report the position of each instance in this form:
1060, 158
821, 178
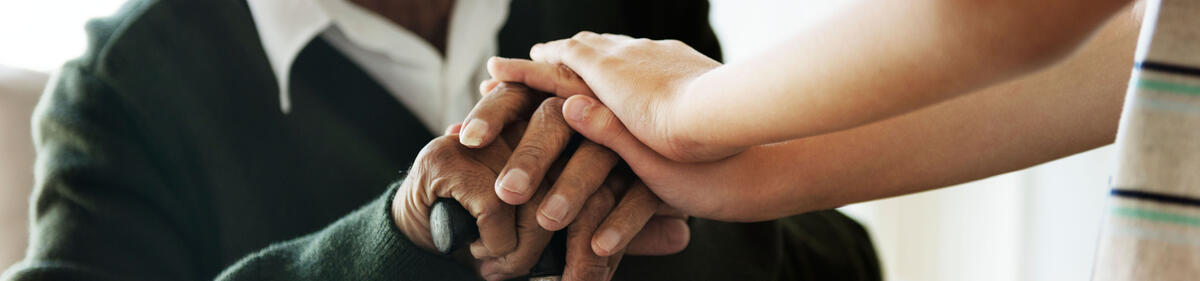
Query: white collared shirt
438, 90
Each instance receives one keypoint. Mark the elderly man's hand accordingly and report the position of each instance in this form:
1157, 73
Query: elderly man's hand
598, 235
510, 239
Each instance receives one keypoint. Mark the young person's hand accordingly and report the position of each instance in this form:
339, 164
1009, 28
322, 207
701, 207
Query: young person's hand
642, 81
993, 131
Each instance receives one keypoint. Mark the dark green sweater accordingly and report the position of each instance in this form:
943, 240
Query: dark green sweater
163, 155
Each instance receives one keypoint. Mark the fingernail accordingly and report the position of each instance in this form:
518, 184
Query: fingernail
516, 181
577, 108
494, 277
472, 135
608, 240
556, 208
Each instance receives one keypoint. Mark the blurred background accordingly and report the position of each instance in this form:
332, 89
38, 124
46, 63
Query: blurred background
1040, 223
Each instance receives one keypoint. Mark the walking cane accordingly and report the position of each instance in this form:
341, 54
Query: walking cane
454, 228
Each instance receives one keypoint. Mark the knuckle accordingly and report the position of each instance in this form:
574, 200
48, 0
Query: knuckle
505, 246
583, 35
531, 154
591, 269
469, 185
551, 109
565, 73
609, 62
441, 150
517, 264
488, 209
579, 50
572, 43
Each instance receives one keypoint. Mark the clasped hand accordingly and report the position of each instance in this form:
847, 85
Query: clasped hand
525, 143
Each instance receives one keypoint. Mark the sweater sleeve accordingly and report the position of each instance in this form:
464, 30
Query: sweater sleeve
105, 208
365, 245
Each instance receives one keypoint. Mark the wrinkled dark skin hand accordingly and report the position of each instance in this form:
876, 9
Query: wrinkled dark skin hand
533, 138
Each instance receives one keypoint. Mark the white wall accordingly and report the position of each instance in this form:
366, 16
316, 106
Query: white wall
1037, 224
42, 34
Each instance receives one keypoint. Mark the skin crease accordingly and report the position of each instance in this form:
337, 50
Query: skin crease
1069, 107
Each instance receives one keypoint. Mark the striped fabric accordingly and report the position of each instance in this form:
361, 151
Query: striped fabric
1152, 231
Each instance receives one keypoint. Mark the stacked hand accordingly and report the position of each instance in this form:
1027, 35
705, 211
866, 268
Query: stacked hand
524, 137
645, 83
511, 164
636, 100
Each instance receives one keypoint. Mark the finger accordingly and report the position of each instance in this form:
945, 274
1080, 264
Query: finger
486, 86
583, 174
545, 137
662, 235
575, 52
479, 251
615, 37
532, 240
493, 156
613, 262
582, 262
596, 123
507, 102
512, 134
626, 220
453, 129
496, 154
496, 221
556, 79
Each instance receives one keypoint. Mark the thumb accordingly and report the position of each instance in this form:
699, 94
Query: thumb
597, 123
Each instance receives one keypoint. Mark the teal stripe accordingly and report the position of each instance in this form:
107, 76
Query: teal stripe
1150, 215
1162, 105
1164, 86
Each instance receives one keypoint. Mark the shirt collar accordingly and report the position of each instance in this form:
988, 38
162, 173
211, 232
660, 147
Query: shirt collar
285, 27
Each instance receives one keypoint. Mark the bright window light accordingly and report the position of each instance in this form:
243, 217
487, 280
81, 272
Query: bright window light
42, 34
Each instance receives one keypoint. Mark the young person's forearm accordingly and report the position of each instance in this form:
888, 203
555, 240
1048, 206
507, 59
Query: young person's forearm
876, 60
1068, 108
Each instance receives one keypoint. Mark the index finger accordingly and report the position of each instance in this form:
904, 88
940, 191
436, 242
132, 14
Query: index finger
582, 262
586, 171
626, 220
556, 79
545, 138
506, 103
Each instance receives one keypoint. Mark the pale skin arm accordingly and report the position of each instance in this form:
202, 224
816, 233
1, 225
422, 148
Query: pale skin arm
881, 59
1067, 108
872, 61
